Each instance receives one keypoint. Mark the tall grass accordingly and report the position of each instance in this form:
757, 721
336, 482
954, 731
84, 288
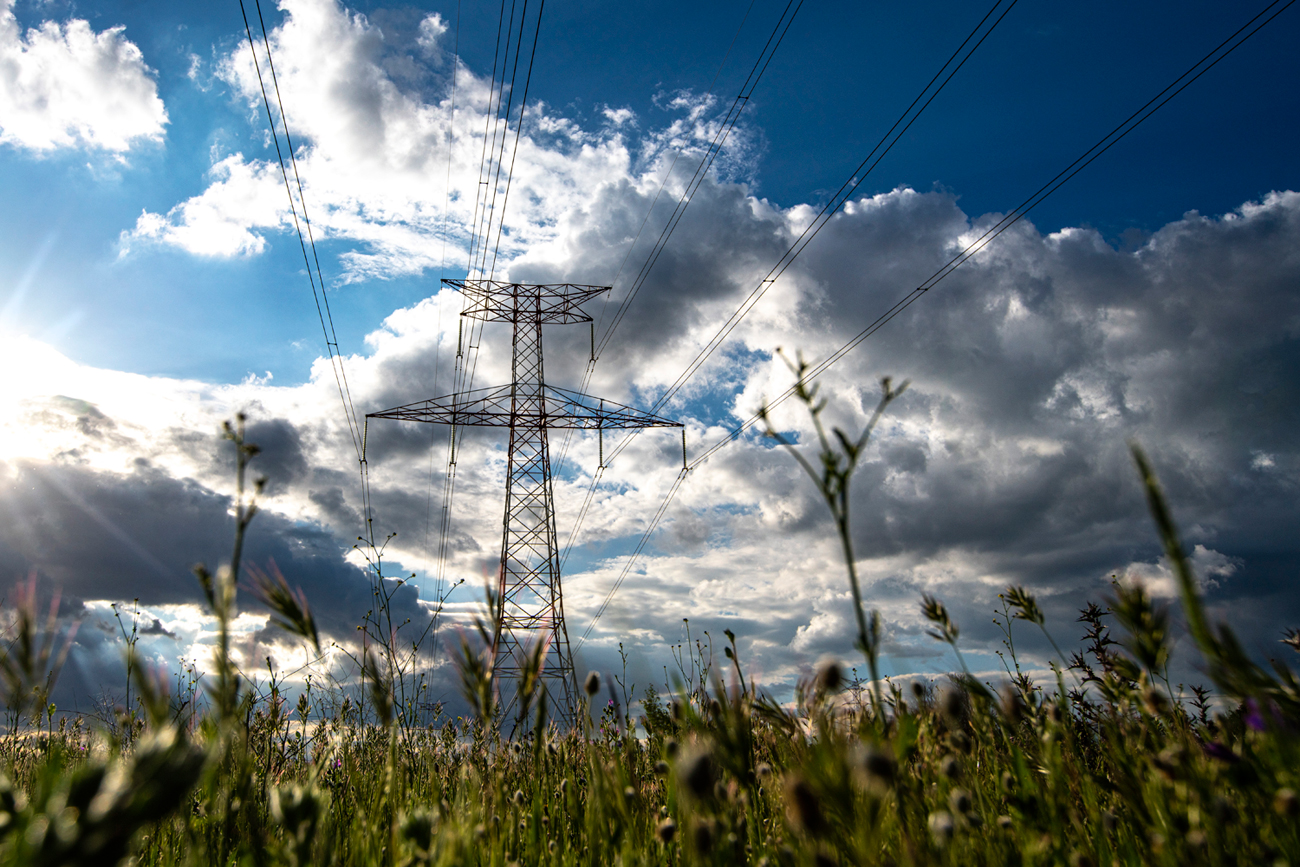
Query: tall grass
1105, 765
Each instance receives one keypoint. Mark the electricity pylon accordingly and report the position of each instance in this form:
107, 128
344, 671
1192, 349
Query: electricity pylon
529, 597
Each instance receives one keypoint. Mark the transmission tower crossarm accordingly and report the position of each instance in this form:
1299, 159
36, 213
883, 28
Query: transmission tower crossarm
548, 303
558, 408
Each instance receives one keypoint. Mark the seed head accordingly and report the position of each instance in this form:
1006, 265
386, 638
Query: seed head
704, 837
661, 768
1285, 803
880, 765
941, 827
699, 774
950, 767
667, 830
763, 770
592, 683
952, 702
959, 801
1157, 703
829, 676
804, 807
1011, 704
1005, 823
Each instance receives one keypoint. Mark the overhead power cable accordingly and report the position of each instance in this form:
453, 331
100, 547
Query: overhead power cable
1202, 66
660, 187
1211, 59
491, 166
715, 147
319, 294
923, 99
978, 34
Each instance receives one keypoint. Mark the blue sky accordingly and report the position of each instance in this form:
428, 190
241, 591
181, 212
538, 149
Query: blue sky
147, 269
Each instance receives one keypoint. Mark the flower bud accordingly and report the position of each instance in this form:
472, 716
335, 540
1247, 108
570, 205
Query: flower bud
592, 683
941, 827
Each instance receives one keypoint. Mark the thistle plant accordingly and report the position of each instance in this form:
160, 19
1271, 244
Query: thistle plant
838, 459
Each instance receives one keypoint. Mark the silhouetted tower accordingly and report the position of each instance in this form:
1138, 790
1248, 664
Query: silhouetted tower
530, 597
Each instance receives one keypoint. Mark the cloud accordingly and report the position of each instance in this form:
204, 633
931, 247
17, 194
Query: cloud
64, 85
390, 153
1006, 462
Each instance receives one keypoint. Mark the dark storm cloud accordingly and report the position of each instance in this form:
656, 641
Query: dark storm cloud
98, 535
1032, 367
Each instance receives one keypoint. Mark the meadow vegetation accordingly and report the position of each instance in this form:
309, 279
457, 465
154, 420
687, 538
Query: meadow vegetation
1106, 762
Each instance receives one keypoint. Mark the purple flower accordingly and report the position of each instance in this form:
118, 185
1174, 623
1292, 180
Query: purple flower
1216, 750
1253, 717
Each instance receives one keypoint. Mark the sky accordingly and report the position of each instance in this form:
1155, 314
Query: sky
152, 285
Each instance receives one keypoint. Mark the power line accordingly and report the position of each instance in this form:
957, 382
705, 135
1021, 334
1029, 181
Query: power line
715, 147
663, 183
952, 65
1205, 64
1211, 59
724, 130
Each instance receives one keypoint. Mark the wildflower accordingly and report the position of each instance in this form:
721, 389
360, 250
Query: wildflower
518, 797
763, 769
1216, 750
804, 807
941, 827
629, 794
592, 683
1285, 803
661, 768
1253, 717
667, 830
1005, 822
959, 801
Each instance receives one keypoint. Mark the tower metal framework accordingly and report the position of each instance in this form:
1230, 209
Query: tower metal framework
529, 595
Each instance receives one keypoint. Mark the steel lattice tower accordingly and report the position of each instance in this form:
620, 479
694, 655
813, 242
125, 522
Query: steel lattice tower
529, 593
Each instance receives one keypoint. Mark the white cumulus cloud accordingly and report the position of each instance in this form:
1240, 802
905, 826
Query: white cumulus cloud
64, 85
